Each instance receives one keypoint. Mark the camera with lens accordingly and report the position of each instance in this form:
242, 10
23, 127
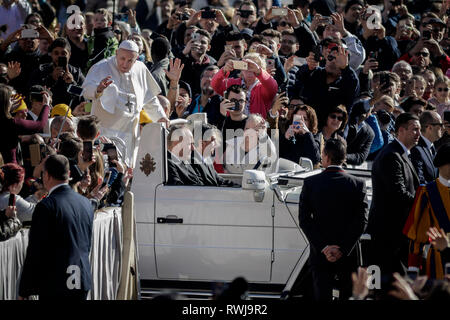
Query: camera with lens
183, 16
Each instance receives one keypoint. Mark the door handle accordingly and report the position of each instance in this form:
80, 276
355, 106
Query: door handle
169, 219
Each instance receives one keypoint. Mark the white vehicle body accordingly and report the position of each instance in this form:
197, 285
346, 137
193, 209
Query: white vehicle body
214, 234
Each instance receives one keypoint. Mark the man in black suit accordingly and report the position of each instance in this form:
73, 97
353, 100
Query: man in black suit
423, 154
57, 261
180, 145
186, 165
332, 214
394, 183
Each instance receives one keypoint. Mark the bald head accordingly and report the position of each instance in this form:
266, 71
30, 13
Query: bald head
431, 125
165, 103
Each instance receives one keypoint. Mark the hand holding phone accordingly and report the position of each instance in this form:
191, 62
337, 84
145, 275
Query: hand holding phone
87, 151
12, 200
240, 65
106, 179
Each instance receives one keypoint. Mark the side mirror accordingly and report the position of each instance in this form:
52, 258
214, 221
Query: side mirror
306, 163
255, 180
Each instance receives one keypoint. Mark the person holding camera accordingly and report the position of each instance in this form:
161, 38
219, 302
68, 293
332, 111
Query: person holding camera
11, 128
26, 53
325, 88
59, 75
103, 44
232, 110
298, 140
12, 177
195, 58
428, 46
373, 37
261, 87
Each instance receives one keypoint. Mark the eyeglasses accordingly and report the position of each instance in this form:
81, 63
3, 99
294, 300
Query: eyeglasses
442, 89
423, 54
240, 101
335, 116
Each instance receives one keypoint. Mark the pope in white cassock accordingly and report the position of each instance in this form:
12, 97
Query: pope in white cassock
120, 87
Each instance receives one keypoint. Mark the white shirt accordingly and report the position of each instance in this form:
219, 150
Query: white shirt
404, 148
57, 186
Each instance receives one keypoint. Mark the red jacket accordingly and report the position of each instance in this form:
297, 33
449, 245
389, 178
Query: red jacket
262, 94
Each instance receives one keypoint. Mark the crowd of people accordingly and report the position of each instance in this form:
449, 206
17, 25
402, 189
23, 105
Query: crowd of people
337, 82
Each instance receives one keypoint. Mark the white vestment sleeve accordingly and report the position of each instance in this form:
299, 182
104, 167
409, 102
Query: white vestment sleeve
91, 83
154, 109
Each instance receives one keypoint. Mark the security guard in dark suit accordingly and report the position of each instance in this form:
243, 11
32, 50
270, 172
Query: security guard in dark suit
394, 183
332, 214
425, 151
57, 261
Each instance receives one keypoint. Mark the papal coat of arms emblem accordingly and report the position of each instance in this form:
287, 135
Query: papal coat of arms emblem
147, 164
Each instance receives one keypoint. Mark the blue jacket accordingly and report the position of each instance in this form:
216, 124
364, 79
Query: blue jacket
59, 245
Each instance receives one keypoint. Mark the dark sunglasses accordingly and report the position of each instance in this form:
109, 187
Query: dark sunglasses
284, 24
423, 54
334, 117
330, 57
245, 13
442, 89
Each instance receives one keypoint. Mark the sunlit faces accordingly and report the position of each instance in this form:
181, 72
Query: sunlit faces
138, 41
410, 134
289, 45
334, 120
125, 59
201, 45
246, 22
29, 44
78, 31
182, 144
331, 31
441, 91
404, 71
421, 58
239, 47
417, 109
353, 13
205, 81
100, 21
241, 98
59, 52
